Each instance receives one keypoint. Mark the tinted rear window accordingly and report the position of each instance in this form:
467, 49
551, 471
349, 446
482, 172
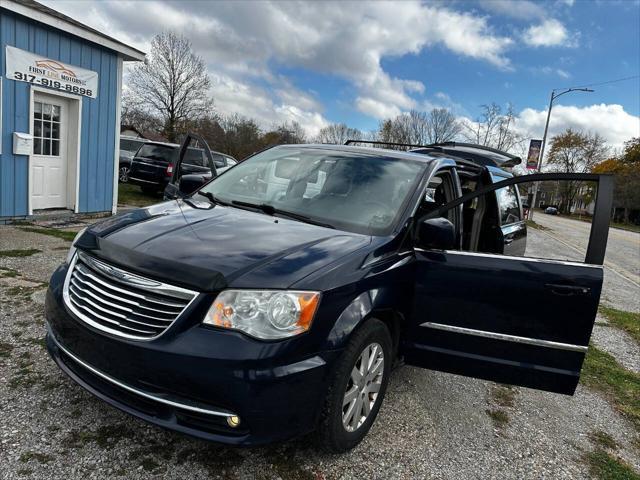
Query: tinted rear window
130, 145
157, 152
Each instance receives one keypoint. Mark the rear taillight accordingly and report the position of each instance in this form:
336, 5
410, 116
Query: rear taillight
169, 171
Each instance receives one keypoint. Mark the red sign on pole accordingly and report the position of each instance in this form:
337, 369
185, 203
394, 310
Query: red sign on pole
534, 154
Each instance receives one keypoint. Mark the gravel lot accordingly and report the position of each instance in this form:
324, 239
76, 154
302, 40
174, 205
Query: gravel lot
431, 425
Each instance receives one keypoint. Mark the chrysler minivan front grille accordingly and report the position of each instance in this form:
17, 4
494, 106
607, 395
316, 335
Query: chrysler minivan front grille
122, 303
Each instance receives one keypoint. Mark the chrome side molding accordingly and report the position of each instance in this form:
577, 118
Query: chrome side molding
507, 338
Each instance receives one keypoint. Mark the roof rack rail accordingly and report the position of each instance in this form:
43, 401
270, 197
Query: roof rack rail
442, 147
392, 144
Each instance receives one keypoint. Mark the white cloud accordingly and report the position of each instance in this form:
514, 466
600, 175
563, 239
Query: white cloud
521, 9
610, 121
547, 70
549, 33
246, 41
231, 96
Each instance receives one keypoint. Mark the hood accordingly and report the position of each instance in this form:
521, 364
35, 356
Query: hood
207, 247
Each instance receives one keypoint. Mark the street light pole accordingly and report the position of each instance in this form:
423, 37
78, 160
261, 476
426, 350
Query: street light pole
544, 140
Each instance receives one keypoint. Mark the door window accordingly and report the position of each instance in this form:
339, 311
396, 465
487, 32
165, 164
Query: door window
219, 161
195, 157
439, 191
46, 129
508, 202
560, 228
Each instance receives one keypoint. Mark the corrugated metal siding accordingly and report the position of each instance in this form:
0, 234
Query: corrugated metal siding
97, 142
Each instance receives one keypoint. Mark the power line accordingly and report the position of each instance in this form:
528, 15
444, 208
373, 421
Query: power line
607, 82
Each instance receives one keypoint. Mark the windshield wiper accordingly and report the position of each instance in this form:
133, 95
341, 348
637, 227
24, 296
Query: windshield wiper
212, 198
271, 210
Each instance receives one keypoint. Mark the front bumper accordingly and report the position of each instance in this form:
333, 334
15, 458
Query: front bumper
193, 380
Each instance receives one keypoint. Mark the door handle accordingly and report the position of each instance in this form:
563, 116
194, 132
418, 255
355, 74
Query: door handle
567, 290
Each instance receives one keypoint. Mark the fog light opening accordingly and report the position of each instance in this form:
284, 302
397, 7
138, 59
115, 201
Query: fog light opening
233, 421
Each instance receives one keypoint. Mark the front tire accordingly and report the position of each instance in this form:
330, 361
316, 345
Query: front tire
357, 387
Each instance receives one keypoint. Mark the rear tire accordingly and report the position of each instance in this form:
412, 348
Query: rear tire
357, 388
123, 174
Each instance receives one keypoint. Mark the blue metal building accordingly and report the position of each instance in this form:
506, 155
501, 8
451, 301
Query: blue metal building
60, 89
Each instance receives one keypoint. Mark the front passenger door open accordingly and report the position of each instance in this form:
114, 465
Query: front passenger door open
517, 320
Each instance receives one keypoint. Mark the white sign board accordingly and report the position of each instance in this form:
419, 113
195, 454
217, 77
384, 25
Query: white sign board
38, 70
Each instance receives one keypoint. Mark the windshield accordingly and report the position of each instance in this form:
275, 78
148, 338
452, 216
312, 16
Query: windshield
353, 192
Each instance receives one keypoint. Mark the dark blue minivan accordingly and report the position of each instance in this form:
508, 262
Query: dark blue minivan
276, 299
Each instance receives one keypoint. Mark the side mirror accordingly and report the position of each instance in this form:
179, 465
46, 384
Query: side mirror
187, 184
436, 233
190, 183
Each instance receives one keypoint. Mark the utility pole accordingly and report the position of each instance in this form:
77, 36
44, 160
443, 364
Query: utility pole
554, 95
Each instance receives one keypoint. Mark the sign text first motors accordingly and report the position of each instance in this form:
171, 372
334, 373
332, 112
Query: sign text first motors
27, 67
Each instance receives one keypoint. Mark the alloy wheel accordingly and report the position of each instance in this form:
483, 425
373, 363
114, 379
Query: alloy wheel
363, 387
123, 174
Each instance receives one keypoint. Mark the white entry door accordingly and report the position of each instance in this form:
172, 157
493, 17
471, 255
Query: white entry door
49, 162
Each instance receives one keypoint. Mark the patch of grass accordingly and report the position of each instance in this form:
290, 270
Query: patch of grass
499, 417
603, 373
603, 439
605, 466
5, 349
536, 225
627, 321
52, 232
105, 436
27, 252
503, 395
149, 464
8, 273
39, 457
626, 226
132, 195
41, 342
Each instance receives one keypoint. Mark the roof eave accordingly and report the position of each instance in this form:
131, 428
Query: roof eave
64, 23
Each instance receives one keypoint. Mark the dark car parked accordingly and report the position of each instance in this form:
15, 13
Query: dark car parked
152, 167
128, 148
275, 300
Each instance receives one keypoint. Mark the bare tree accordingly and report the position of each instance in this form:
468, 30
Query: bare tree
172, 83
137, 117
338, 133
420, 128
494, 128
442, 126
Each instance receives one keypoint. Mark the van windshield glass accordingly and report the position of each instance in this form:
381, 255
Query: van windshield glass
354, 192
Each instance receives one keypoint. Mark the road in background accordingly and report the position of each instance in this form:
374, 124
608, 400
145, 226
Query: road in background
567, 239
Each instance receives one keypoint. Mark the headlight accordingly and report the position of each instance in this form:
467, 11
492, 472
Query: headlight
72, 250
264, 314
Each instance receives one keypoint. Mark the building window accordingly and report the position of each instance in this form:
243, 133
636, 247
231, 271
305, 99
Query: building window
46, 129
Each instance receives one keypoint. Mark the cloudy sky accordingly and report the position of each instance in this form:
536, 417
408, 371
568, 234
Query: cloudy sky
359, 62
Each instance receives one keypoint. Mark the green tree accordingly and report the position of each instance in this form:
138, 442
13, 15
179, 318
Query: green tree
575, 152
626, 169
